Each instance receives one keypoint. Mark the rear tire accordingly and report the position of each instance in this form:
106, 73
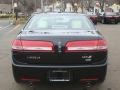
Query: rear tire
116, 22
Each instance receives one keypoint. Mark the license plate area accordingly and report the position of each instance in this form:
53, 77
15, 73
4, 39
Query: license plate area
112, 19
59, 76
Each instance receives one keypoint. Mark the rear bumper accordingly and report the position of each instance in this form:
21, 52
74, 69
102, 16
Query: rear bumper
58, 66
111, 20
76, 72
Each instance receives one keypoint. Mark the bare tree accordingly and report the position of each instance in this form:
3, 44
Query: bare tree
88, 3
5, 1
102, 3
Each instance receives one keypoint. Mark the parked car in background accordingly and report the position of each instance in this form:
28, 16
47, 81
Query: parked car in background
118, 16
108, 17
21, 14
93, 16
59, 47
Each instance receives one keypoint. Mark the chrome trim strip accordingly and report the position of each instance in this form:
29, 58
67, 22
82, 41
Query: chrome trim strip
59, 80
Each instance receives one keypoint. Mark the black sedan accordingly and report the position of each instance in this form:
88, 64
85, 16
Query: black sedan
59, 47
109, 17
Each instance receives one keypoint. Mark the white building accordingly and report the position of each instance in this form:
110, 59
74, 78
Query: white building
115, 7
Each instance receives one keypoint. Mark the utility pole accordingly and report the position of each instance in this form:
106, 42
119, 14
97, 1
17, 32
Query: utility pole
53, 5
89, 4
82, 6
12, 12
35, 5
102, 2
61, 6
42, 6
13, 6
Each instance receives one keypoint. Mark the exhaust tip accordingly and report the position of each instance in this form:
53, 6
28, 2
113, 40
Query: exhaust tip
31, 84
88, 85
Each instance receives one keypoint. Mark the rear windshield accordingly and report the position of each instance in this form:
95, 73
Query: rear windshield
41, 22
110, 13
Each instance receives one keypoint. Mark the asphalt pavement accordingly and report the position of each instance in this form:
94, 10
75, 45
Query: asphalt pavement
110, 31
4, 23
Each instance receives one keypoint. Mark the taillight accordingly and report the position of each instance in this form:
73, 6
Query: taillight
42, 46
94, 17
17, 45
102, 45
93, 45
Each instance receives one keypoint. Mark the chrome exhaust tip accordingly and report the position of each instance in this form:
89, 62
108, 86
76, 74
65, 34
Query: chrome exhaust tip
89, 84
31, 84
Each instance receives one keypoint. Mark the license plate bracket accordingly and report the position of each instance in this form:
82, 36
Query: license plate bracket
59, 76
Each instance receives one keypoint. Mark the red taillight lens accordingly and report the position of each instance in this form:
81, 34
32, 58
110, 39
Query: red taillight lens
94, 17
102, 45
17, 45
42, 46
76, 46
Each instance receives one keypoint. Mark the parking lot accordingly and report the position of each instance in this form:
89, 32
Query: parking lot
110, 31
